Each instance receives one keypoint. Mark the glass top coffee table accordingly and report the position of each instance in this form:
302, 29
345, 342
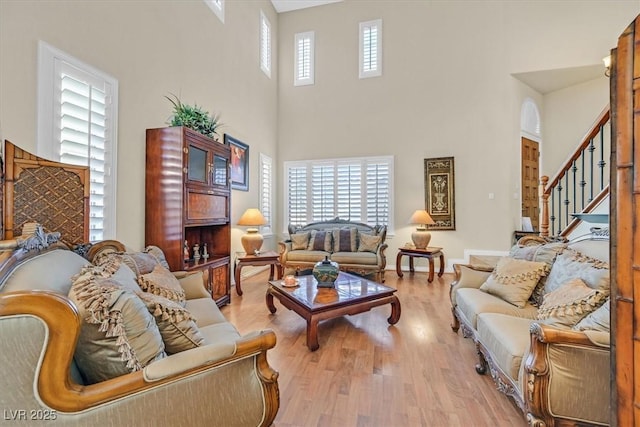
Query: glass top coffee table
351, 295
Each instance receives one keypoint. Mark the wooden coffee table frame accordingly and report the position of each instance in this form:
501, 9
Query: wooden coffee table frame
313, 315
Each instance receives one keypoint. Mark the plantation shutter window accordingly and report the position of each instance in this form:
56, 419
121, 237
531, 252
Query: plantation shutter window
77, 125
370, 49
354, 189
266, 196
304, 59
265, 44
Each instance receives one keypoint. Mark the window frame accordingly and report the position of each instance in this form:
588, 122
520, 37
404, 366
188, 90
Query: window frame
310, 79
266, 200
377, 72
50, 62
304, 169
217, 6
265, 45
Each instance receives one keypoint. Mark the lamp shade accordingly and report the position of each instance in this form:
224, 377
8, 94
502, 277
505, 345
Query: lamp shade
252, 217
421, 216
421, 237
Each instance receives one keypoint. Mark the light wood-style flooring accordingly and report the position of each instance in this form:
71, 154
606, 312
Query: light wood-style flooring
368, 373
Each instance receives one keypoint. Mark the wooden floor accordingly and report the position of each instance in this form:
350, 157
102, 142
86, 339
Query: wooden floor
368, 373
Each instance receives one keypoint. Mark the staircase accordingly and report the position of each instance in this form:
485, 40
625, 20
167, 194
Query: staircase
580, 185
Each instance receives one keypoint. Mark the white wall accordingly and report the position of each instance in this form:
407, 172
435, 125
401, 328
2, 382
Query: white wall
446, 90
153, 48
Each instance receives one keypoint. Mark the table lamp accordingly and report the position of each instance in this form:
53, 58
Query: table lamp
252, 241
421, 236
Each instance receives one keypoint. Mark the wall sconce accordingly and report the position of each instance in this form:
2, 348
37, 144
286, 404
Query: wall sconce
607, 65
252, 241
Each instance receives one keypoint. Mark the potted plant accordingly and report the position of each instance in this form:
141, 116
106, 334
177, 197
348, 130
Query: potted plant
193, 117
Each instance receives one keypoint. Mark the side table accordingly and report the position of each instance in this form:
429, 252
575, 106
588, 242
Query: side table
269, 258
429, 253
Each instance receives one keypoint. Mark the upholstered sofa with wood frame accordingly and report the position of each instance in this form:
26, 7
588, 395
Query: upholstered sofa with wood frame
550, 350
356, 247
220, 378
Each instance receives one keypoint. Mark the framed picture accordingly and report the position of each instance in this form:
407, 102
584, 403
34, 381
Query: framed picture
239, 163
439, 191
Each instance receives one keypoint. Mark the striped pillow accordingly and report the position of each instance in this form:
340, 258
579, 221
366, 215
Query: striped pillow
345, 239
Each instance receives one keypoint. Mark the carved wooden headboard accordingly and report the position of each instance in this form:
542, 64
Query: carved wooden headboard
53, 194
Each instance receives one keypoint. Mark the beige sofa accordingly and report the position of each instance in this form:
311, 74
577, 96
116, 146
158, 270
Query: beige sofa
356, 247
551, 353
224, 380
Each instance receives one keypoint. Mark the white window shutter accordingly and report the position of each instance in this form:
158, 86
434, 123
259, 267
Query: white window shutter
266, 196
265, 44
370, 49
304, 73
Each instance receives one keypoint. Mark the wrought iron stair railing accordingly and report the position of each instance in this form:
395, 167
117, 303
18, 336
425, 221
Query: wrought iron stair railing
581, 183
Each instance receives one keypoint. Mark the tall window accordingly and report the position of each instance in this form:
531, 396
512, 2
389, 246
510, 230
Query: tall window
355, 189
77, 111
217, 6
371, 48
304, 59
265, 44
266, 195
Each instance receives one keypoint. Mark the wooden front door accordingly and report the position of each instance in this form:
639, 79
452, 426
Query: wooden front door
530, 180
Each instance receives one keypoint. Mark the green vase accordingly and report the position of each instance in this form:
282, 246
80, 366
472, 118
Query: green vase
326, 273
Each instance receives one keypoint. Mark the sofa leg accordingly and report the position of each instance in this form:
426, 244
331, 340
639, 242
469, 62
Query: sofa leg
481, 367
456, 323
535, 422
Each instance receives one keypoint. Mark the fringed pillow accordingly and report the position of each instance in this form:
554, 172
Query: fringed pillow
599, 320
513, 280
118, 335
546, 253
571, 264
161, 281
567, 305
176, 324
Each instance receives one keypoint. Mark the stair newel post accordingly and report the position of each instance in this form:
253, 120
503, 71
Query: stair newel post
544, 199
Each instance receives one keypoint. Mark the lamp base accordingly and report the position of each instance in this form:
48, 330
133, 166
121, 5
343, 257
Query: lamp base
252, 241
421, 238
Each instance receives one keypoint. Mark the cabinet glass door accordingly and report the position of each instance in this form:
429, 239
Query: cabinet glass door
220, 169
197, 164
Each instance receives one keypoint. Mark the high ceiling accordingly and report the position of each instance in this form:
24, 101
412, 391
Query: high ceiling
288, 5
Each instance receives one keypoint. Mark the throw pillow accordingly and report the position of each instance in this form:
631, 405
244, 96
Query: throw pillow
540, 253
161, 281
177, 327
320, 241
599, 320
369, 243
118, 335
513, 280
139, 262
567, 305
571, 264
300, 241
345, 239
158, 254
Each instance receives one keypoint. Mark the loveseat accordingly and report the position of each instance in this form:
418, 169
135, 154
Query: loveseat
545, 344
58, 335
356, 247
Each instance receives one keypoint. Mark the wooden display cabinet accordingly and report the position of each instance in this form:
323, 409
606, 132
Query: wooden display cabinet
188, 199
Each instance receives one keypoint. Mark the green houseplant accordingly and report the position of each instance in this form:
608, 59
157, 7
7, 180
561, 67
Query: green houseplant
193, 117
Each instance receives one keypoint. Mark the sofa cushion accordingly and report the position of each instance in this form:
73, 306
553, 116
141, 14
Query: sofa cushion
307, 256
300, 241
205, 311
546, 253
369, 242
571, 264
320, 240
118, 335
567, 305
219, 332
471, 302
345, 239
513, 280
506, 338
176, 324
360, 258
599, 320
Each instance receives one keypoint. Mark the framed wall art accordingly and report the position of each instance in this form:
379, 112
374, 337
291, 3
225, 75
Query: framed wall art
439, 191
239, 163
